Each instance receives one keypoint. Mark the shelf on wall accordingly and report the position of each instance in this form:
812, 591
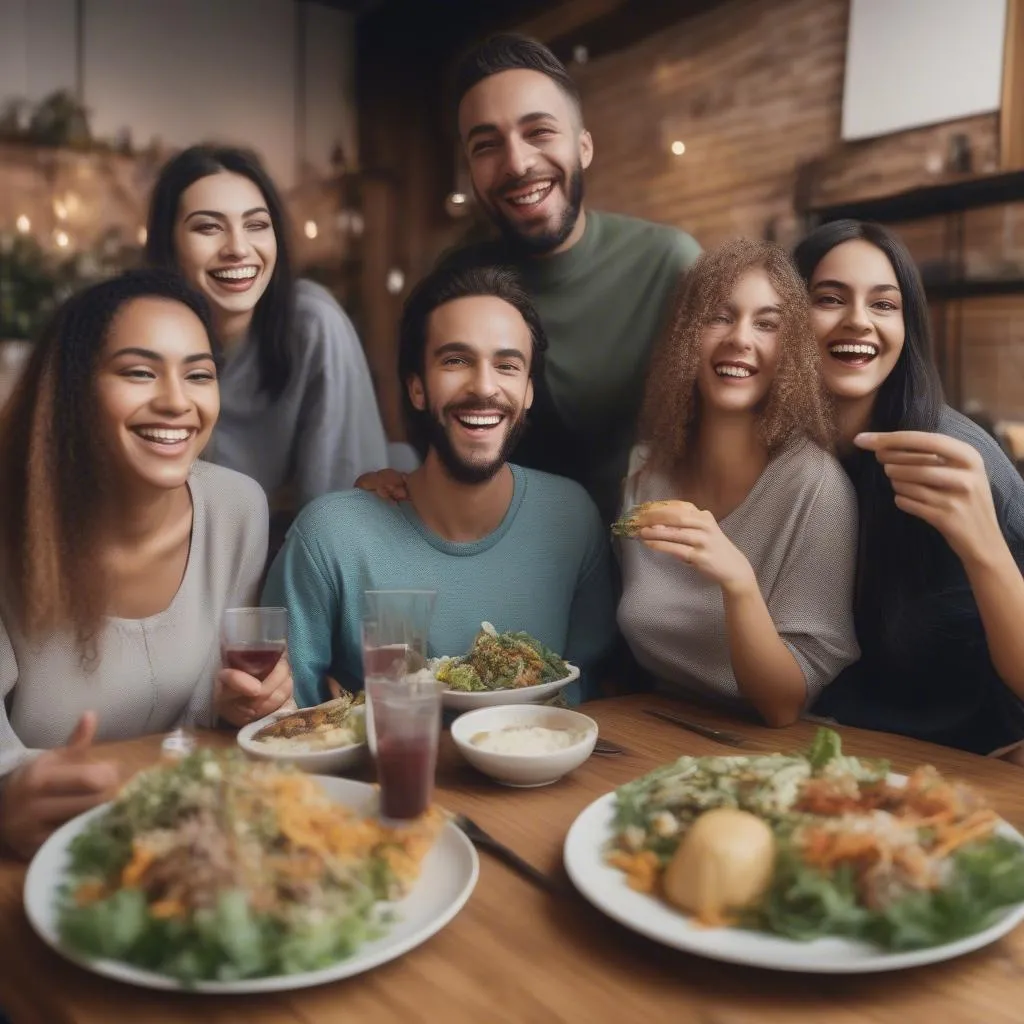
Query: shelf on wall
928, 201
974, 288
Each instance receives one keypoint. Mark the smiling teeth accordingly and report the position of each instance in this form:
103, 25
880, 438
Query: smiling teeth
164, 436
848, 348
480, 421
531, 198
732, 371
236, 274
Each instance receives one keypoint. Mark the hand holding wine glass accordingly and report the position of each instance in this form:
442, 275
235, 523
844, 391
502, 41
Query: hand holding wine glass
257, 678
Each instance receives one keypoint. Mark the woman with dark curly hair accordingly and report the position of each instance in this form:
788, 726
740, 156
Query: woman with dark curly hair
119, 551
741, 586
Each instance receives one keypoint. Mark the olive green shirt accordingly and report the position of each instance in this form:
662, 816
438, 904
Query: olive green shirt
603, 303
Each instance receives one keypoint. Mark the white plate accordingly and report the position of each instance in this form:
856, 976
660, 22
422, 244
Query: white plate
318, 762
605, 887
448, 876
461, 700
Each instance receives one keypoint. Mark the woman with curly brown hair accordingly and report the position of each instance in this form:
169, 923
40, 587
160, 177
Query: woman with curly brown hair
741, 586
119, 551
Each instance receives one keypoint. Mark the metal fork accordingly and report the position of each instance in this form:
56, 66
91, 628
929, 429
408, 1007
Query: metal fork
483, 839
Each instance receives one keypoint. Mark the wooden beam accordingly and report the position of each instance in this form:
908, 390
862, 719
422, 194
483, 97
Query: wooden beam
567, 17
1011, 114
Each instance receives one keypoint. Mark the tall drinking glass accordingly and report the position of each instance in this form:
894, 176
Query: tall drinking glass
407, 720
396, 629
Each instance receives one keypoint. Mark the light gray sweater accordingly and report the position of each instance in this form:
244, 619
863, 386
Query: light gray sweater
798, 529
323, 431
153, 673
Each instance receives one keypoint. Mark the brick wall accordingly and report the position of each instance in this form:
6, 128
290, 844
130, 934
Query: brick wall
754, 90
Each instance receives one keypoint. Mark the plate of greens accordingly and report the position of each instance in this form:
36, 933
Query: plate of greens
815, 862
219, 874
502, 668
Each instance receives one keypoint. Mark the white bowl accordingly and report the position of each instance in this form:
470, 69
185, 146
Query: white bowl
317, 762
524, 769
464, 700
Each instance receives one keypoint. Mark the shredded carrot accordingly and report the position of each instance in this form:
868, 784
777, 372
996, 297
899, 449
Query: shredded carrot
142, 857
977, 826
167, 908
642, 869
90, 892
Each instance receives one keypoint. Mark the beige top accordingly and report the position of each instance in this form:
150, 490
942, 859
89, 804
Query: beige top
798, 529
153, 673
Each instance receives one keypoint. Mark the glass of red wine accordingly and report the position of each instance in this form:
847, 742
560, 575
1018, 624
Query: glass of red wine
253, 639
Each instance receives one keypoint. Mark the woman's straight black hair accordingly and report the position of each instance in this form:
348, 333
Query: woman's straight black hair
272, 320
896, 551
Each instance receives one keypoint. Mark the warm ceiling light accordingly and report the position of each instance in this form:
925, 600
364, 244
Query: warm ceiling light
61, 238
60, 210
678, 147
457, 198
394, 282
310, 229
142, 235
23, 224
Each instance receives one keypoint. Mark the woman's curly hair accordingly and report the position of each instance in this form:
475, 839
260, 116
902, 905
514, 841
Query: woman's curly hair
797, 403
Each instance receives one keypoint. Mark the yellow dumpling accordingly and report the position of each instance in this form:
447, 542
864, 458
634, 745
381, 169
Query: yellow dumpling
725, 862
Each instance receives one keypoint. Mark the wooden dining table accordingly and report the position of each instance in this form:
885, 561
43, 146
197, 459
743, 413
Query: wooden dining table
520, 955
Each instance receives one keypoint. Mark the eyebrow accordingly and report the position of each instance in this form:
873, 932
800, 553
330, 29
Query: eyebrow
732, 308
148, 353
461, 348
488, 127
845, 287
220, 216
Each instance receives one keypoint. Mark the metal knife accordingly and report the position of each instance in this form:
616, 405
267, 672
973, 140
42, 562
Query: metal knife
728, 738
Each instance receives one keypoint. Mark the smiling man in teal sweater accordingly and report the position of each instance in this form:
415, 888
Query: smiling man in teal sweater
516, 547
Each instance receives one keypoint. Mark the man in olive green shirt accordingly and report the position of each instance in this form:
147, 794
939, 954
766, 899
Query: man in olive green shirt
602, 283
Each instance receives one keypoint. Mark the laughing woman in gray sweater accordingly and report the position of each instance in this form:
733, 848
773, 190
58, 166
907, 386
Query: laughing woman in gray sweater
118, 551
298, 411
739, 584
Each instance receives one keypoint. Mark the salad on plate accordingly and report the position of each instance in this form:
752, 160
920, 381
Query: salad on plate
500, 661
818, 844
219, 868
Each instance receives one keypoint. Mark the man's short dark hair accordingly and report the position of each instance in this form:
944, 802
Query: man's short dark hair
446, 284
509, 51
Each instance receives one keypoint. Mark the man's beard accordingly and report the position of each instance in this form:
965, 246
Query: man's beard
530, 244
470, 472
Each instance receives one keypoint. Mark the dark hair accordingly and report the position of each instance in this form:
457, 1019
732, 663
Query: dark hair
272, 317
797, 404
896, 551
510, 51
52, 475
444, 285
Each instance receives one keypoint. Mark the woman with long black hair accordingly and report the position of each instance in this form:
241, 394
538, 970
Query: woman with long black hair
299, 414
939, 602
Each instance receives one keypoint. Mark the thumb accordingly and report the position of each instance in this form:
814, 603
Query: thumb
84, 732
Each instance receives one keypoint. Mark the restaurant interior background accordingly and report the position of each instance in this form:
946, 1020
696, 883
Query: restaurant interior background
723, 117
